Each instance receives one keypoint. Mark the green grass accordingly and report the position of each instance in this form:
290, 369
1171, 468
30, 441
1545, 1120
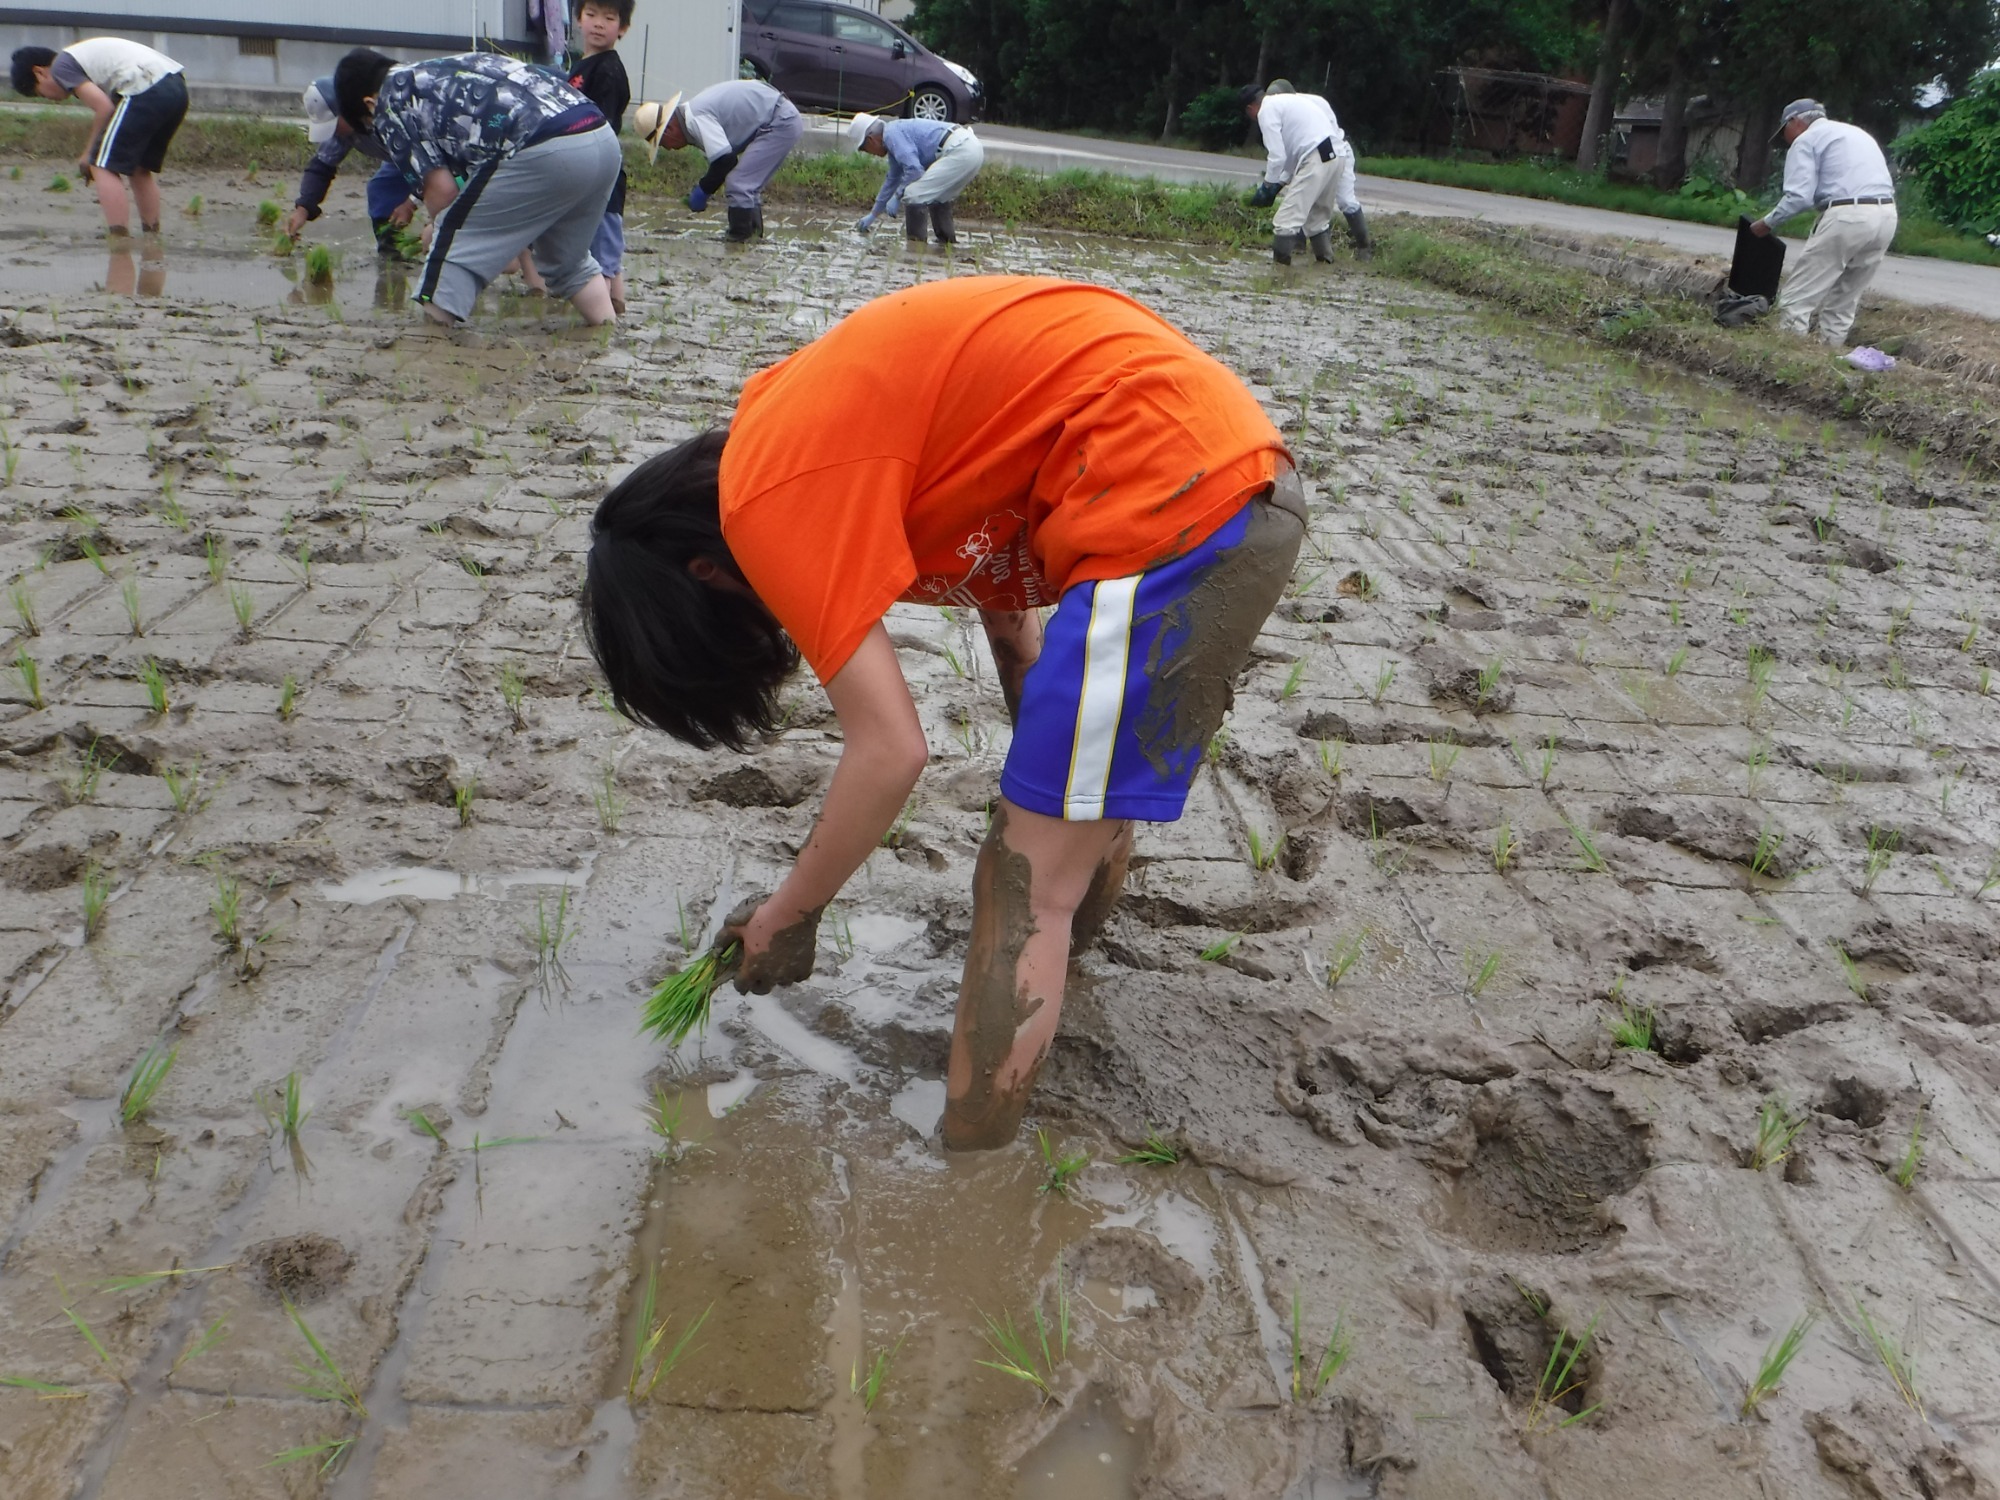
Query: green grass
286, 1116
1061, 1170
1898, 1360
1015, 1356
1309, 1379
1777, 1359
183, 786
226, 906
24, 606
680, 1002
1912, 1161
320, 1375
288, 697
31, 677
462, 797
147, 1075
869, 1387
1632, 1027
1480, 970
1777, 1129
1344, 955
129, 592
1559, 1379
156, 685
513, 692
1155, 1151
1263, 852
1882, 845
96, 894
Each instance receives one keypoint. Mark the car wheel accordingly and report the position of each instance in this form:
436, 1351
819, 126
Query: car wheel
931, 103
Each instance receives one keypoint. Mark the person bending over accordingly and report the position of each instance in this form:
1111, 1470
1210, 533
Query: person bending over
510, 158
137, 100
1049, 444
1309, 172
392, 198
1839, 170
746, 129
930, 162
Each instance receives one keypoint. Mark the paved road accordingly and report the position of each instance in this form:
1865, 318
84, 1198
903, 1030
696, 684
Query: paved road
1918, 279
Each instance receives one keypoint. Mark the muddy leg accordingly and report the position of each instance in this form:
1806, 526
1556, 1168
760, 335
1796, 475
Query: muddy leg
1105, 887
1031, 877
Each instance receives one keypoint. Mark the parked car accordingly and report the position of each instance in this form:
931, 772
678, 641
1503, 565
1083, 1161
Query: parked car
824, 55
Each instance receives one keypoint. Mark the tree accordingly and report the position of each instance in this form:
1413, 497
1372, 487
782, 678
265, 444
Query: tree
1956, 158
1604, 87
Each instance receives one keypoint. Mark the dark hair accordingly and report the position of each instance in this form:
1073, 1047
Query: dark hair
357, 78
704, 663
26, 60
623, 7
1249, 94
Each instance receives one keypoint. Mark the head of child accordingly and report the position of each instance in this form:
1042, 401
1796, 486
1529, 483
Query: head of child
685, 645
31, 73
601, 23
357, 79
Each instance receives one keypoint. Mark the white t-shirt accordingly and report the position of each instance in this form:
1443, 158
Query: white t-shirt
113, 64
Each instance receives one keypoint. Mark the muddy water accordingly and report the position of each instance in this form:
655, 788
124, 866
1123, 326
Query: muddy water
1440, 1153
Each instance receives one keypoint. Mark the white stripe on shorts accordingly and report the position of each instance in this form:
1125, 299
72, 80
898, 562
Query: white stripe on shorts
111, 131
1107, 645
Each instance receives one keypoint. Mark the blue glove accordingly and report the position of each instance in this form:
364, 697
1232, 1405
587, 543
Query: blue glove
1265, 196
697, 199
894, 205
867, 221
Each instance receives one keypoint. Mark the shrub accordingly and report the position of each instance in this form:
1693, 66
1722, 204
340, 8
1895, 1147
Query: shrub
1214, 118
1956, 158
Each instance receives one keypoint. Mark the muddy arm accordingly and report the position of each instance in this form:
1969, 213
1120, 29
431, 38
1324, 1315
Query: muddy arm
1015, 636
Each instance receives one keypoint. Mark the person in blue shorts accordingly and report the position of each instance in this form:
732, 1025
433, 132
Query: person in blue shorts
137, 100
1051, 444
392, 197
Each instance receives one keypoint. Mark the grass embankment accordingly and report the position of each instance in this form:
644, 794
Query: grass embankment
1917, 232
1913, 405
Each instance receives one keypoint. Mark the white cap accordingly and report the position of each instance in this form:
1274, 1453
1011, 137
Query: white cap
321, 117
856, 130
651, 120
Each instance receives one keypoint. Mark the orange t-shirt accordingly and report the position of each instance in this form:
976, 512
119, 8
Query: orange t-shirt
984, 441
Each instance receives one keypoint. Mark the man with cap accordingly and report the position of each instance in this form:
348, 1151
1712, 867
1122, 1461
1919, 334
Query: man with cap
1310, 171
391, 198
744, 127
1841, 171
930, 162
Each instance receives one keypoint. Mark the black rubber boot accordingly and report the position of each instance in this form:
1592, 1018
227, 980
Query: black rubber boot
742, 225
1357, 225
943, 224
916, 222
1283, 246
759, 211
1322, 245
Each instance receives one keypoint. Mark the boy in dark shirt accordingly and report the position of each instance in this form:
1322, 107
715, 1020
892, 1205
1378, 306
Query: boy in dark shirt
598, 74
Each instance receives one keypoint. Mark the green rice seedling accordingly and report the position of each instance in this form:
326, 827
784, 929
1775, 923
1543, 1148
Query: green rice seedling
286, 1116
640, 1384
1293, 679
680, 1002
1505, 846
218, 560
609, 804
81, 784
1850, 971
1061, 1170
156, 685
243, 604
1764, 858
1443, 755
1309, 1379
90, 1337
1333, 758
461, 799
1991, 877
1015, 1356
42, 1387
319, 266
288, 697
1489, 679
210, 1337
330, 1452
141, 1280
194, 207
423, 1122
1898, 1357
1155, 1151
1912, 1161
410, 244
129, 592
1586, 848
682, 932
320, 1376
58, 184
1263, 855
1761, 665
1632, 1027
1777, 1129
1756, 762
1677, 661
843, 936
31, 676
1777, 1361
951, 660
183, 785
663, 1119
869, 1387
1221, 948
475, 567
1480, 970
24, 607
552, 932
92, 555
305, 556
96, 894
1344, 955
1385, 676
1558, 1380
1882, 845
147, 1075
893, 839
513, 691
267, 214
226, 906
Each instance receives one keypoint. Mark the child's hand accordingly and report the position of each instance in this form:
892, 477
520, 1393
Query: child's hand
778, 946
295, 221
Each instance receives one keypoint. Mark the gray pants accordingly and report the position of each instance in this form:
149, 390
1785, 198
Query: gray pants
958, 162
762, 155
549, 198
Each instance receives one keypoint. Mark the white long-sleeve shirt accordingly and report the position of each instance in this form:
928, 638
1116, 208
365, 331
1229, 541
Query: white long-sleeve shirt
1831, 160
1292, 125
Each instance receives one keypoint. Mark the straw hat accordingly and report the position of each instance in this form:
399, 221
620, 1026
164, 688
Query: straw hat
651, 120
856, 130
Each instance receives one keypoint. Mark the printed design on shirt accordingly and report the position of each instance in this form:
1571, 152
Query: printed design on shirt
453, 111
1001, 571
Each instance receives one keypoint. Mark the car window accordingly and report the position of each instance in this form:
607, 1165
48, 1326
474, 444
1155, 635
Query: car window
805, 18
853, 26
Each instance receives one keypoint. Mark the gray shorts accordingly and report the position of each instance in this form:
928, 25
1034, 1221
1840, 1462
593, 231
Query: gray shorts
549, 197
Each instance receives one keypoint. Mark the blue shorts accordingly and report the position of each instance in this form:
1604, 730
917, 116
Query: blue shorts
1117, 711
607, 246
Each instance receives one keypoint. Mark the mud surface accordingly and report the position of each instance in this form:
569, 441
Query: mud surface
1391, 1083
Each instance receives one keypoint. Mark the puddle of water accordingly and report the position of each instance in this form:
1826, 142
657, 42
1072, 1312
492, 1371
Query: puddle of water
725, 1096
879, 932
807, 1047
919, 1104
1185, 1227
1118, 1300
1092, 1455
425, 884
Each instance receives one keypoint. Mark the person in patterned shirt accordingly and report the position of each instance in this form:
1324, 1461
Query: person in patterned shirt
510, 158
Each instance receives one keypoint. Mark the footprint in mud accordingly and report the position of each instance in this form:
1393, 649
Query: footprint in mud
299, 1267
1512, 1336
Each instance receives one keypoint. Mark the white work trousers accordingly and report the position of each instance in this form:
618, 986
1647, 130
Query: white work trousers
1828, 276
1316, 189
958, 162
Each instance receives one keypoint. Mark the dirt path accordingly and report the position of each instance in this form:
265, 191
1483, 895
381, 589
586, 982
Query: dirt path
1591, 696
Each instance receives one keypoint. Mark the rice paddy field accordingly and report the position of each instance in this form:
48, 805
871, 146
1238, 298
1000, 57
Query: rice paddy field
1554, 1057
